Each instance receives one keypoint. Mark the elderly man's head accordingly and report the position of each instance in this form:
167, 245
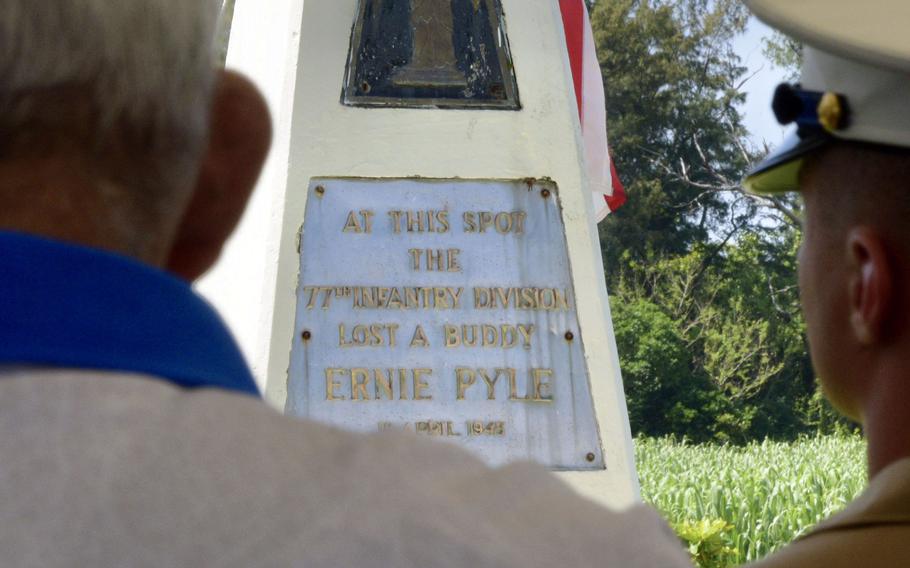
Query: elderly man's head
117, 130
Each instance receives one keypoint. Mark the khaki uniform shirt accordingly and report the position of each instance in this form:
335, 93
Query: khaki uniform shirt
872, 532
111, 469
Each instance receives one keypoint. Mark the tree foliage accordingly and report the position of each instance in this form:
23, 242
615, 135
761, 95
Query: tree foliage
702, 275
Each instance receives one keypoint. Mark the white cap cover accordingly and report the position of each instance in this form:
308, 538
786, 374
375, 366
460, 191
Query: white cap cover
858, 51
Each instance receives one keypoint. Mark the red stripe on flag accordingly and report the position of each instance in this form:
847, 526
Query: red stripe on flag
579, 44
573, 21
618, 198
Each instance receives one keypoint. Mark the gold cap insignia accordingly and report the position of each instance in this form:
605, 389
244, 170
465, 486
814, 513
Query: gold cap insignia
831, 112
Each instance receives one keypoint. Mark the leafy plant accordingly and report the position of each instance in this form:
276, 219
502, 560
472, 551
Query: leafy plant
708, 541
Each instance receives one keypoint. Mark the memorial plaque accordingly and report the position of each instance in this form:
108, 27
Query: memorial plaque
444, 308
430, 53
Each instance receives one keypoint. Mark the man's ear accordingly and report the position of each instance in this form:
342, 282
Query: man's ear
240, 135
871, 285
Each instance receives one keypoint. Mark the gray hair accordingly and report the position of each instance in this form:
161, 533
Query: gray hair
147, 65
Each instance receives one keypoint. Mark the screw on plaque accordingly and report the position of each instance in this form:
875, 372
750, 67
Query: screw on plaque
570, 336
365, 88
320, 190
306, 335
545, 193
590, 457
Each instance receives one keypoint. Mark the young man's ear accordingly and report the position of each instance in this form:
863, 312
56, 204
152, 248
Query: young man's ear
871, 285
239, 141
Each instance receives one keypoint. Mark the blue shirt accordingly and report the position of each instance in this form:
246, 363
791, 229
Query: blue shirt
64, 305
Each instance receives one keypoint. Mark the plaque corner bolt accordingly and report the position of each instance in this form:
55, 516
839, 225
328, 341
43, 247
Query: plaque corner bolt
545, 193
320, 190
590, 457
569, 336
306, 335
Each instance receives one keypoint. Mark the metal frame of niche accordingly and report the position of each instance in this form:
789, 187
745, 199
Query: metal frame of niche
511, 101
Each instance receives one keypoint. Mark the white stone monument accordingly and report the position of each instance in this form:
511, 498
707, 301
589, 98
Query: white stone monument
429, 262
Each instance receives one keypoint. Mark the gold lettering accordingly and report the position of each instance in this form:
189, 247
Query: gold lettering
341, 337
443, 218
435, 260
393, 333
359, 379
464, 378
456, 296
470, 224
415, 258
440, 299
420, 385
481, 298
513, 387
452, 264
331, 384
451, 335
352, 225
415, 222
311, 303
368, 297
519, 221
327, 290
504, 295
539, 386
384, 383
547, 299
503, 223
395, 216
528, 300
491, 382
490, 337
486, 221
526, 331
394, 299
475, 336
509, 336
419, 339
367, 216
411, 297
402, 384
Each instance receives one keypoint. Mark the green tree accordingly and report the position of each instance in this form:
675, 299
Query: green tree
783, 52
671, 84
702, 274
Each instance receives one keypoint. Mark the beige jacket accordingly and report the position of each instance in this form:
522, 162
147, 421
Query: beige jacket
103, 469
872, 532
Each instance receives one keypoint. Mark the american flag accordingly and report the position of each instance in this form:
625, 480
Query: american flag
608, 191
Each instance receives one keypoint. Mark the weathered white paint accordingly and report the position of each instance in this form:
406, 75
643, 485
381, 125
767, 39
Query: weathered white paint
316, 136
264, 45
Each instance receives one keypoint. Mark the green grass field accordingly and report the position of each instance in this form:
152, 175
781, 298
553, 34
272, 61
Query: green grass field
737, 504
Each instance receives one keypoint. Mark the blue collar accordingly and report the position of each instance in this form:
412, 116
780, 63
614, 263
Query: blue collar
63, 305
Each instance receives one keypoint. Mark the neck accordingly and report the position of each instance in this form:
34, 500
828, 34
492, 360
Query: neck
57, 196
886, 422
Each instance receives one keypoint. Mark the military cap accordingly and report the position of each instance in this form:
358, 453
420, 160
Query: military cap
855, 82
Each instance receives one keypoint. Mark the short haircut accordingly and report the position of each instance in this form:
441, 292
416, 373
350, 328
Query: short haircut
146, 67
863, 183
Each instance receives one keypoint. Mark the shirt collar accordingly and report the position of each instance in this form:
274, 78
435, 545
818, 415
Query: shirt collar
69, 306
